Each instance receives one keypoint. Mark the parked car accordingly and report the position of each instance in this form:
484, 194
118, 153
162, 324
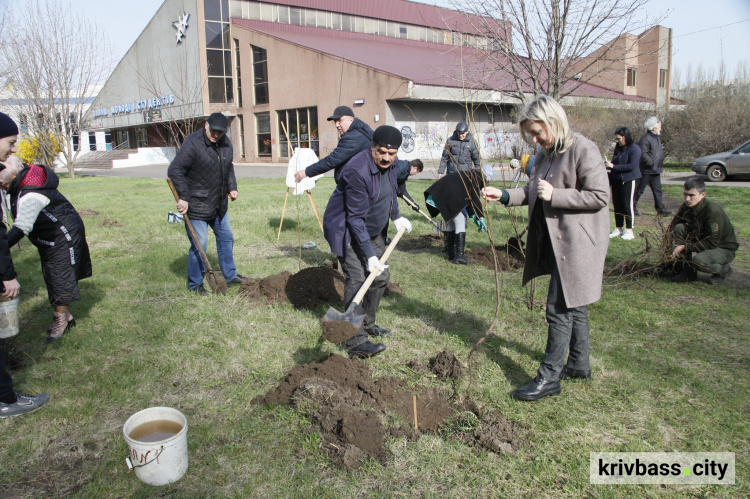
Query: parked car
718, 166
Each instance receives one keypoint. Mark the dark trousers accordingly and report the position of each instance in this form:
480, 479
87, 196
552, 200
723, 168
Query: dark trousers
568, 332
6, 383
654, 180
354, 267
622, 200
711, 261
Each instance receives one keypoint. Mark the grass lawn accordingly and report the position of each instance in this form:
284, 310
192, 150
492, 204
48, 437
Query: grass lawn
670, 362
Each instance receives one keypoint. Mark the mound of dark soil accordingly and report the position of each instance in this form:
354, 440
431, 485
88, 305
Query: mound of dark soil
446, 365
393, 288
348, 409
308, 288
109, 222
86, 212
420, 243
509, 256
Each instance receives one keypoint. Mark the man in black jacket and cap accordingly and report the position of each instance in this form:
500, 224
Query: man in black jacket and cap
355, 137
652, 166
203, 176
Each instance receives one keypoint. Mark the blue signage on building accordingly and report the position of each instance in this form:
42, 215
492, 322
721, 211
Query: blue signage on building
140, 105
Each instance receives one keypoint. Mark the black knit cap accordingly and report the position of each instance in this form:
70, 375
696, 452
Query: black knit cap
387, 136
8, 127
218, 122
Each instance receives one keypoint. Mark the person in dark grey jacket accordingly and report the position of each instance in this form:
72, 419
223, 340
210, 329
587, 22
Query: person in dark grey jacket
203, 176
355, 137
460, 154
652, 165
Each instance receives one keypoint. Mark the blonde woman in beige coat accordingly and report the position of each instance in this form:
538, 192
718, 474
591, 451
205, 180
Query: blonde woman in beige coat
568, 197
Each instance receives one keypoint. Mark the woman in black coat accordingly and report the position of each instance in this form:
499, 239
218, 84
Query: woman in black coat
454, 196
624, 170
51, 223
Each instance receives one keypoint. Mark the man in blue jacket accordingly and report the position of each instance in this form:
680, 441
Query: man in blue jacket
203, 176
406, 169
355, 137
652, 166
355, 224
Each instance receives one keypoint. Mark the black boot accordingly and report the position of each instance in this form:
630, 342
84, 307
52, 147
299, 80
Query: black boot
449, 241
460, 245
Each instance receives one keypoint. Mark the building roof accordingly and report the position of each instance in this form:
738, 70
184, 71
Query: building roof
396, 10
424, 63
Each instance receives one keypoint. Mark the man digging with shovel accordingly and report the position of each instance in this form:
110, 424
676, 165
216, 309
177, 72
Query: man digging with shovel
355, 224
203, 176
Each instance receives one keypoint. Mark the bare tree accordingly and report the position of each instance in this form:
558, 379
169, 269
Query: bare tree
552, 46
179, 79
55, 58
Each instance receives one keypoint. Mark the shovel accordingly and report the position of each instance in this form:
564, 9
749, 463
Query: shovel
216, 280
337, 326
434, 223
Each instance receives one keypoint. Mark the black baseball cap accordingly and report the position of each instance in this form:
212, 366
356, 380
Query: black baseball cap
218, 121
341, 111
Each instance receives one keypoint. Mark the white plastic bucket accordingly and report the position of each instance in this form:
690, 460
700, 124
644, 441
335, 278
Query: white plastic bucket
8, 317
163, 461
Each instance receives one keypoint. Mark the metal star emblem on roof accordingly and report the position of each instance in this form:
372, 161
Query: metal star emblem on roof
181, 25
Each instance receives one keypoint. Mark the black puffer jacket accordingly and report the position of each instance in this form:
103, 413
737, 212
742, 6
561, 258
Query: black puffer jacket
652, 154
355, 140
459, 155
7, 272
203, 175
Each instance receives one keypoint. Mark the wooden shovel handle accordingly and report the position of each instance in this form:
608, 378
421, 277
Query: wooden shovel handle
190, 228
368, 282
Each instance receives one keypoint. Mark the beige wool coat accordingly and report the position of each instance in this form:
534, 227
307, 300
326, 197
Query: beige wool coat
577, 219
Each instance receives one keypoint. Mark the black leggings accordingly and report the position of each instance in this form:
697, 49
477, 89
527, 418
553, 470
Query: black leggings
622, 199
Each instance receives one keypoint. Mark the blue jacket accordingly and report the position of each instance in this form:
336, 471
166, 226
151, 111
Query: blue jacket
625, 163
356, 139
403, 167
346, 213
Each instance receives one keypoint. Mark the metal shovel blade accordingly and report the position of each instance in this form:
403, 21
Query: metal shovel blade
216, 282
339, 327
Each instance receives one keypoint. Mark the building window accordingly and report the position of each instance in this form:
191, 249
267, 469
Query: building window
237, 71
260, 75
263, 134
218, 51
141, 137
662, 78
631, 77
302, 126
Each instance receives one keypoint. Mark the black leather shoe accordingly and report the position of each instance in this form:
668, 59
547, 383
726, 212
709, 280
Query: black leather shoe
238, 279
366, 349
376, 330
688, 274
199, 290
539, 388
719, 278
636, 212
568, 373
664, 213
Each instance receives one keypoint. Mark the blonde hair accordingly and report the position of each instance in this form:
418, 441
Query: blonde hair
13, 167
544, 109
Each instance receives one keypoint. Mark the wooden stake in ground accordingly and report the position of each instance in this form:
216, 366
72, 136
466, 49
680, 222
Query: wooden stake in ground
282, 213
416, 426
